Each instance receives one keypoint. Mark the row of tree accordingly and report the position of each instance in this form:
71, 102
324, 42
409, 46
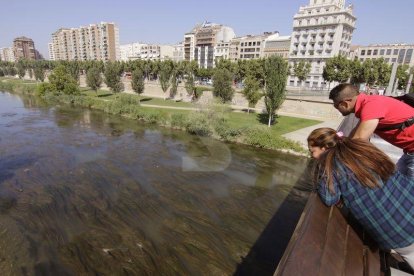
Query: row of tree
261, 77
340, 69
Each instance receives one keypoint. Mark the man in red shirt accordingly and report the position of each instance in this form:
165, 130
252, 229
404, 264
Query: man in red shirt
389, 118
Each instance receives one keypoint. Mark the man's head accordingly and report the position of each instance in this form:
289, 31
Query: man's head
344, 98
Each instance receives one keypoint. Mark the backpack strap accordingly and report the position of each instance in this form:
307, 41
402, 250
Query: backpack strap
401, 126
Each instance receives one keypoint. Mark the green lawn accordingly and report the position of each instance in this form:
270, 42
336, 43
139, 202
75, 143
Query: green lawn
162, 102
105, 94
284, 124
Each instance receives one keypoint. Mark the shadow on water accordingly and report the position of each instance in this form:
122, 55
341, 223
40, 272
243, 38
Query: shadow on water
267, 251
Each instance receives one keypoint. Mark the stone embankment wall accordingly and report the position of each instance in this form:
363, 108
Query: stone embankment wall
312, 106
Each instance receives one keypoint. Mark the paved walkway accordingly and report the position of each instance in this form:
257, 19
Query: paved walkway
301, 135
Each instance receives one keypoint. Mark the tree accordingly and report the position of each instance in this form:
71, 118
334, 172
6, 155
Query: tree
21, 69
94, 79
402, 76
301, 70
137, 81
74, 69
112, 77
336, 69
276, 73
384, 71
176, 76
12, 71
61, 81
190, 70
251, 91
165, 72
356, 72
255, 68
222, 81
39, 73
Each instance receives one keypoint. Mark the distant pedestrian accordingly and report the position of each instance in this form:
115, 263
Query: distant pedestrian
365, 179
389, 118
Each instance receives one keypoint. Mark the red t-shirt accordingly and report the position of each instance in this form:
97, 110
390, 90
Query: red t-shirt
389, 111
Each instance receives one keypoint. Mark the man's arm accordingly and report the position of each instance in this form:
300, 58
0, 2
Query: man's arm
364, 129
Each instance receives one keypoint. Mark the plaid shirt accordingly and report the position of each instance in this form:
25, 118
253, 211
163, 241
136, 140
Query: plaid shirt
387, 212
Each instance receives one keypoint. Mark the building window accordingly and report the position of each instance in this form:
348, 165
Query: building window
408, 56
375, 52
382, 52
258, 43
254, 43
388, 52
369, 52
401, 56
362, 52
395, 51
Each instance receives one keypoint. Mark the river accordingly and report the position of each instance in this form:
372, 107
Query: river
86, 193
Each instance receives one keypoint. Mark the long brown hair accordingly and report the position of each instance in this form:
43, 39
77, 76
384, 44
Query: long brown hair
365, 160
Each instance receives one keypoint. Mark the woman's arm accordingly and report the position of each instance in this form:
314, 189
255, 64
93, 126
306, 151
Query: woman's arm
327, 197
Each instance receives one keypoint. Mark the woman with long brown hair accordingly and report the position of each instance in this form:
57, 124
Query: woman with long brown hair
365, 178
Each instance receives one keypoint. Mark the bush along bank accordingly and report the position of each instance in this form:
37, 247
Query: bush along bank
210, 121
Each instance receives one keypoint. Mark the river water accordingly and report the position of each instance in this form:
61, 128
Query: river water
85, 193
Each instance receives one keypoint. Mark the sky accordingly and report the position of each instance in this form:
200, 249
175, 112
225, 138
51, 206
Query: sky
166, 21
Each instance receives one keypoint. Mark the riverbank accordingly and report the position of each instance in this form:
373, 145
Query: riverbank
207, 119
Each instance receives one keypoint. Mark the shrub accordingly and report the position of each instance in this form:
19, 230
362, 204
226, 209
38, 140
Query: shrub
127, 99
178, 121
199, 124
264, 138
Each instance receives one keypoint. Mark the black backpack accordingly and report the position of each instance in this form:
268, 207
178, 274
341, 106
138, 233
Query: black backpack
406, 98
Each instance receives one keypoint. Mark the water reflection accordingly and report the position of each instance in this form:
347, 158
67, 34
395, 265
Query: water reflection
86, 193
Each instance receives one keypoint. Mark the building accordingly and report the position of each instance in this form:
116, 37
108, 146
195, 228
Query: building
200, 44
93, 42
51, 51
321, 30
145, 51
222, 51
178, 52
131, 51
391, 53
24, 48
276, 45
7, 54
254, 46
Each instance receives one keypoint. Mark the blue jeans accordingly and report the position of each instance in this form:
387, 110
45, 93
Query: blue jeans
406, 164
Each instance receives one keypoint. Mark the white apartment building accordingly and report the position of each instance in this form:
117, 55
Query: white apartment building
145, 51
391, 53
131, 51
321, 30
200, 44
178, 52
250, 46
222, 51
189, 43
51, 51
276, 45
93, 42
7, 54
